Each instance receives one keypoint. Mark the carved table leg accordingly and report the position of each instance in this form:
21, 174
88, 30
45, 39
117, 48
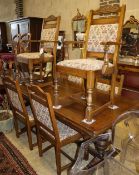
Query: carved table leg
56, 95
30, 67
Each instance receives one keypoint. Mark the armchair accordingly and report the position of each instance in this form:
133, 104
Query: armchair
100, 55
48, 47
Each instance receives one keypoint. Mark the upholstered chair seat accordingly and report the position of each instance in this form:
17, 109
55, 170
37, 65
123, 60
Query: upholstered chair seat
23, 57
65, 132
83, 64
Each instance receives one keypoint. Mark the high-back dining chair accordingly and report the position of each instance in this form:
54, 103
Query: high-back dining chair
101, 49
21, 112
48, 127
123, 140
48, 47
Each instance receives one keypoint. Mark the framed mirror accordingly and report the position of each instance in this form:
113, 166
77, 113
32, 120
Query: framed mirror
130, 38
78, 28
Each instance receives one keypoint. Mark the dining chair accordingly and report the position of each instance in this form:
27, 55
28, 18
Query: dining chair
22, 114
103, 149
47, 49
100, 53
49, 128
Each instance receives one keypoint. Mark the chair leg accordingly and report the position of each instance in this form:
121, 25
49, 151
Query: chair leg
16, 127
39, 141
29, 134
58, 159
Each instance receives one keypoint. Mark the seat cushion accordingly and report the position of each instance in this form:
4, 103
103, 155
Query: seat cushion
83, 64
65, 131
24, 57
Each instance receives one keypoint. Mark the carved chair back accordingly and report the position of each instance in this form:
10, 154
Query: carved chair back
49, 34
24, 44
104, 27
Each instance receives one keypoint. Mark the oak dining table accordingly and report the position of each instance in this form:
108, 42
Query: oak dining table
72, 112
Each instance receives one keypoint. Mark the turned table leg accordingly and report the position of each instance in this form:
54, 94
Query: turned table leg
30, 67
56, 94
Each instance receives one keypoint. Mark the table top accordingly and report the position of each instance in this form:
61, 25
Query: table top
73, 112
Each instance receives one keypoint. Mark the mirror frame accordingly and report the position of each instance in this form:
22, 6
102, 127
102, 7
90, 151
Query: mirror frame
130, 38
76, 29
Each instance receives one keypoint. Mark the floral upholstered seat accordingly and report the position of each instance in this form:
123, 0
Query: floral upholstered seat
24, 57
83, 64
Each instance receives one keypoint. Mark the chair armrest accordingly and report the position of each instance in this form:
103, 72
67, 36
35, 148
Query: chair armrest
110, 43
39, 41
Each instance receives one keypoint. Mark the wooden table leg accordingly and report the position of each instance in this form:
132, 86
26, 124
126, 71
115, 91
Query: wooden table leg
30, 67
56, 94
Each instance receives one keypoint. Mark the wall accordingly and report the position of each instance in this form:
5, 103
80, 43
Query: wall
132, 8
66, 9
7, 10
